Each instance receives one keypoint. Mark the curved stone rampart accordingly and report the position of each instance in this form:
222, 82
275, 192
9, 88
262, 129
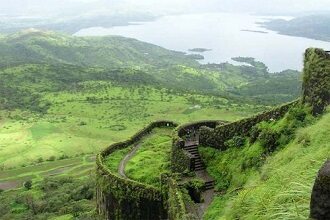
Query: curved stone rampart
120, 198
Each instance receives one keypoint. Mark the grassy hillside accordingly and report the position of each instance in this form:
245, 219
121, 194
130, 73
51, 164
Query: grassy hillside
60, 91
34, 46
78, 59
267, 178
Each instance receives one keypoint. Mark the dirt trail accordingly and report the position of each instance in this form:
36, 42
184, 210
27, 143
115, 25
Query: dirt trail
123, 162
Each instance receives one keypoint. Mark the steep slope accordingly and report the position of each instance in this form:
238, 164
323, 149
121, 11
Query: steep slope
274, 187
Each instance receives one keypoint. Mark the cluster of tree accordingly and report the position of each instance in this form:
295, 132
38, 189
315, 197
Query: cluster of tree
55, 196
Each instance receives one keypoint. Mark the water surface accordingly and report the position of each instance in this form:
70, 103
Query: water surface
221, 32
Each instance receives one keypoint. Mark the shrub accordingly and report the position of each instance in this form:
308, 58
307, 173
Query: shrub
82, 123
27, 184
269, 139
63, 156
254, 134
40, 160
236, 141
51, 158
299, 113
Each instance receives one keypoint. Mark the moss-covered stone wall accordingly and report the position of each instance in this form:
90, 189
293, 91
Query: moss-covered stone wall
316, 79
120, 198
176, 206
217, 137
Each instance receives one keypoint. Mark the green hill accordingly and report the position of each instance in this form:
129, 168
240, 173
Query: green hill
135, 62
312, 26
264, 185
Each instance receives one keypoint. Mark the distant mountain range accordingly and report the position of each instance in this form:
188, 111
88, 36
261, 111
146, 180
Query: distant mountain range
313, 26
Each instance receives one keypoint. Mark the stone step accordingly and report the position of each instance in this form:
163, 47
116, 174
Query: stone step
199, 168
190, 144
199, 165
209, 185
191, 147
194, 152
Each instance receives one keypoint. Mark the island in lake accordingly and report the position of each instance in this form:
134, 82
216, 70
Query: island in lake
254, 31
196, 56
199, 50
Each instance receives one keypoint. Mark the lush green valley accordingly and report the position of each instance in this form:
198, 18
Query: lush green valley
65, 91
64, 98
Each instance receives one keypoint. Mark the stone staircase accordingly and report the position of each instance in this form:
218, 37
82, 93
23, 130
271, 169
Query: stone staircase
198, 165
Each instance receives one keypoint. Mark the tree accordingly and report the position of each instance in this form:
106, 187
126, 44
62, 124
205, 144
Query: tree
28, 184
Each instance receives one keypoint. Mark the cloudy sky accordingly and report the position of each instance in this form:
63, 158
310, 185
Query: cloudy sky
78, 7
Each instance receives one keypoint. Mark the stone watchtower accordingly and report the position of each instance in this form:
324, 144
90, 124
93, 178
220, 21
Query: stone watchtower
316, 93
316, 79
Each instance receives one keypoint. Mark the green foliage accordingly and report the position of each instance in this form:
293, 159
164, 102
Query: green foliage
269, 138
236, 141
50, 198
27, 184
195, 183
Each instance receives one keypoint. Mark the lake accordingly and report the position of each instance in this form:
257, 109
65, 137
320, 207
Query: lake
228, 35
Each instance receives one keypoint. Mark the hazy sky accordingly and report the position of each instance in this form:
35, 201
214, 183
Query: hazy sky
78, 7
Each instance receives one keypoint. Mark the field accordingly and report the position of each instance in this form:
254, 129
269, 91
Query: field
79, 123
77, 167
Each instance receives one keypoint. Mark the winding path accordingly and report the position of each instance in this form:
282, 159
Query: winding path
123, 162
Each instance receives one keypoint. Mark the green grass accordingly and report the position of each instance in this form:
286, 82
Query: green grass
278, 189
152, 158
74, 125
113, 160
14, 178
